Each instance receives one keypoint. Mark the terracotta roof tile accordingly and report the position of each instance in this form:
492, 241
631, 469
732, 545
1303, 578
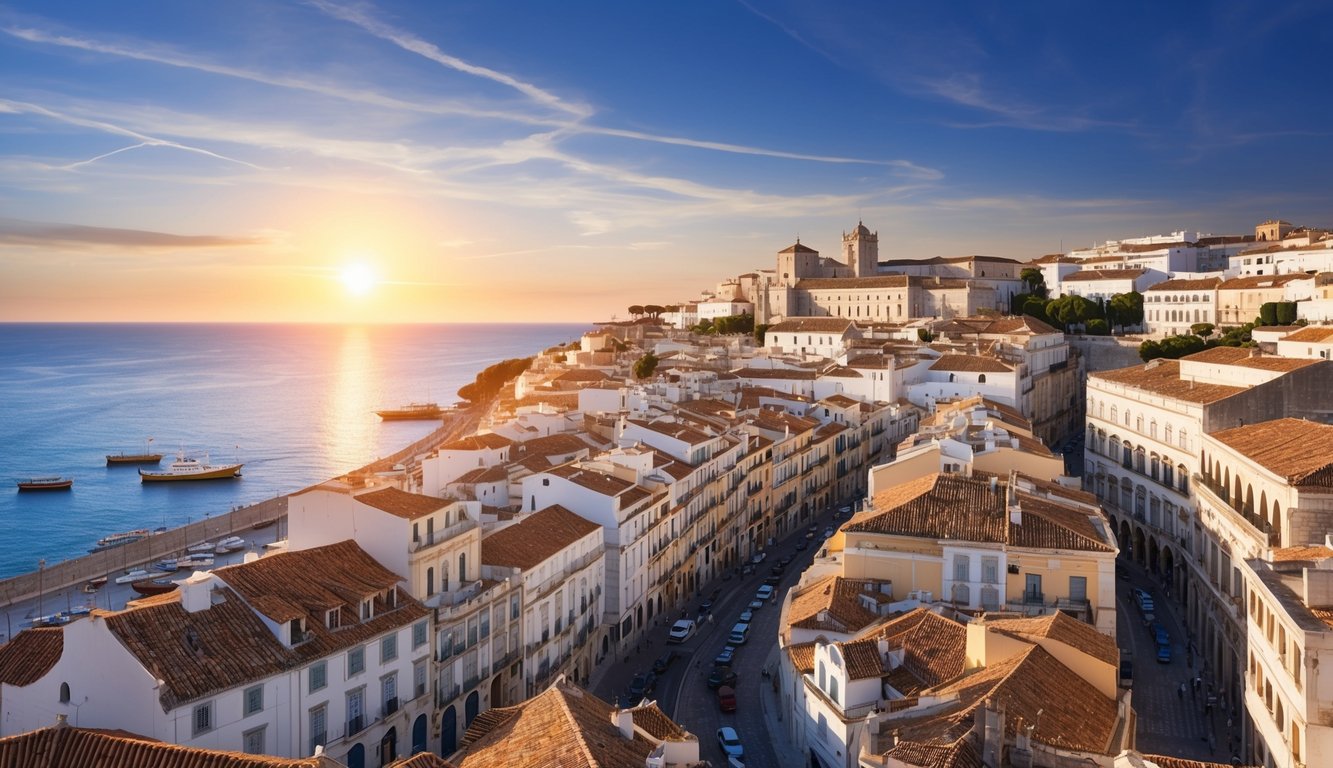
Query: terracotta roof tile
1250, 282
58, 747
1185, 284
479, 442
802, 656
1070, 631
228, 645
563, 726
831, 603
1249, 357
682, 432
851, 283
1104, 274
1020, 324
776, 373
812, 325
31, 654
1315, 552
1299, 451
402, 504
971, 364
1316, 334
536, 538
559, 444
862, 659
655, 722
1162, 377
603, 484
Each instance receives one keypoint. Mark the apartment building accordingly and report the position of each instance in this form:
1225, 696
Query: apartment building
1172, 306
1239, 299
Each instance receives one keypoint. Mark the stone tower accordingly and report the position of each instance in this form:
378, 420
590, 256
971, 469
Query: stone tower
860, 248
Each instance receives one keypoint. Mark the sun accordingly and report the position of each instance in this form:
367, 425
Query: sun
358, 278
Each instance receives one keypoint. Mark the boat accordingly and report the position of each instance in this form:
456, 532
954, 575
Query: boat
121, 539
147, 457
166, 566
137, 574
195, 561
190, 468
262, 524
54, 620
153, 586
412, 411
95, 584
229, 544
45, 484
206, 546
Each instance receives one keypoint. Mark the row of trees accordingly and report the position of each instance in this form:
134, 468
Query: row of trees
722, 326
1123, 310
651, 310
1199, 339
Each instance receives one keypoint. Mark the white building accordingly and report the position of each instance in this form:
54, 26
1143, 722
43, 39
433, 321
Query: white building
1102, 284
1172, 306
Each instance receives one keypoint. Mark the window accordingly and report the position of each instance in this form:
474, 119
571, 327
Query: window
1078, 588
254, 700
419, 678
356, 661
331, 618
366, 608
990, 570
319, 676
203, 718
356, 711
388, 648
319, 726
253, 741
64, 693
962, 568
418, 635
389, 694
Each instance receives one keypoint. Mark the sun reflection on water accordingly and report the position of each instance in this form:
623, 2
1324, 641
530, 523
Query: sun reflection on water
349, 419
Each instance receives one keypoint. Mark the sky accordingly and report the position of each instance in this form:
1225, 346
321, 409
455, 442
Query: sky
493, 161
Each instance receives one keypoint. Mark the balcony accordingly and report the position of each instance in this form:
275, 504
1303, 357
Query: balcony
356, 725
319, 739
390, 706
439, 537
1257, 530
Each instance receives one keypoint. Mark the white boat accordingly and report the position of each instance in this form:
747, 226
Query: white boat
195, 561
166, 566
135, 575
190, 468
229, 544
203, 547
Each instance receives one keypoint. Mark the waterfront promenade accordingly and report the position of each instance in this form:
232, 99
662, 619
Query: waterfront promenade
19, 595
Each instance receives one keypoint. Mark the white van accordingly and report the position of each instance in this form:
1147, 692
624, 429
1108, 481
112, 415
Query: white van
738, 634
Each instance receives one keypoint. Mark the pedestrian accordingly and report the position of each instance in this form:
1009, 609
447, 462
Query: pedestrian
1180, 692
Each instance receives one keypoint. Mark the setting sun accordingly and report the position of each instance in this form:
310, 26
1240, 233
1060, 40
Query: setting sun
358, 278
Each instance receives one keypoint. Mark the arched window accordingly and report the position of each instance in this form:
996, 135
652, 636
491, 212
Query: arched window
1167, 434
981, 379
462, 568
1113, 413
430, 581
1182, 478
64, 693
823, 683
833, 689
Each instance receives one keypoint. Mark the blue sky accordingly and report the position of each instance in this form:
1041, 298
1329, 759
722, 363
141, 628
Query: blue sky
528, 161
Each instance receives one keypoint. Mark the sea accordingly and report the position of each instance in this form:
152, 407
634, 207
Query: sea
295, 403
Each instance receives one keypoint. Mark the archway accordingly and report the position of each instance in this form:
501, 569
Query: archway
470, 708
356, 757
497, 691
419, 734
449, 732
1169, 568
1140, 549
1152, 555
389, 747
1126, 543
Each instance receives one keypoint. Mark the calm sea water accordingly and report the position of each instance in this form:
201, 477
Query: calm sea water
294, 402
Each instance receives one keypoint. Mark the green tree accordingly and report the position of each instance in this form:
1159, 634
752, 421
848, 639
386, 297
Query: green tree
654, 309
492, 378
1098, 327
760, 331
1202, 330
644, 366
925, 335
1286, 312
1150, 350
1035, 280
635, 310
1125, 309
1268, 313
1035, 306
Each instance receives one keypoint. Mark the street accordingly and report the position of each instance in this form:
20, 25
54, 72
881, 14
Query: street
682, 691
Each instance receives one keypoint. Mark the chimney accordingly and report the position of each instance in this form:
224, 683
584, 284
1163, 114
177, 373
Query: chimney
62, 720
623, 720
990, 718
1318, 588
197, 592
1015, 509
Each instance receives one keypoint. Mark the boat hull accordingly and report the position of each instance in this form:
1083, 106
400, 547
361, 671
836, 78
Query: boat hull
414, 412
213, 473
153, 586
133, 458
58, 484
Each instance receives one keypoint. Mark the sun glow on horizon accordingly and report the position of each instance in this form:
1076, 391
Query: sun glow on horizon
358, 278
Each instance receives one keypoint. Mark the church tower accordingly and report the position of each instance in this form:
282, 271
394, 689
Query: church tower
860, 248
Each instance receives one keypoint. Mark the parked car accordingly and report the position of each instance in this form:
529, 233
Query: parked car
1159, 634
778, 570
772, 581
747, 615
721, 676
705, 607
801, 545
755, 605
726, 698
764, 592
730, 741
758, 557
844, 510
828, 532
664, 661
642, 685
725, 656
785, 561
681, 631
1164, 654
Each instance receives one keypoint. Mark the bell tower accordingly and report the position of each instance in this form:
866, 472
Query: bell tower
860, 248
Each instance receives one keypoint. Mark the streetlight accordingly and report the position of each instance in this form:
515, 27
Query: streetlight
41, 569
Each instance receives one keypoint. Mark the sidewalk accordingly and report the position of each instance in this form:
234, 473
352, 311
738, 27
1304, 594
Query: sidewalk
770, 704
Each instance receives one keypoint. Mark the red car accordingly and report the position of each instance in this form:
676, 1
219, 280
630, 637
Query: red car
726, 699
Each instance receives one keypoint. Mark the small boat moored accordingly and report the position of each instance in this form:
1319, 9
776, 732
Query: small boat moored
93, 585
147, 457
195, 560
45, 483
153, 586
121, 539
168, 565
137, 574
229, 544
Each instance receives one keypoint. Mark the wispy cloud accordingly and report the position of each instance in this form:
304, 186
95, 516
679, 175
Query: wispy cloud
21, 232
968, 90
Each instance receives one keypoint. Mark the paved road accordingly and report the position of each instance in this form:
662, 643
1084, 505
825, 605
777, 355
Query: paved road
1169, 723
682, 691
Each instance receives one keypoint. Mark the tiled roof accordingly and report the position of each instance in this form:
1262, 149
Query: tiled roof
1186, 284
583, 374
1162, 377
934, 648
655, 722
1287, 554
802, 656
401, 503
1072, 632
798, 248
1317, 334
775, 373
1166, 761
1249, 357
957, 754
940, 506
831, 603
812, 325
852, 283
483, 475
606, 485
67, 746
478, 442
971, 364
840, 400
30, 654
564, 727
559, 444
227, 645
535, 539
682, 432
1150, 247
1250, 282
1019, 324
862, 659
1299, 451
1104, 274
